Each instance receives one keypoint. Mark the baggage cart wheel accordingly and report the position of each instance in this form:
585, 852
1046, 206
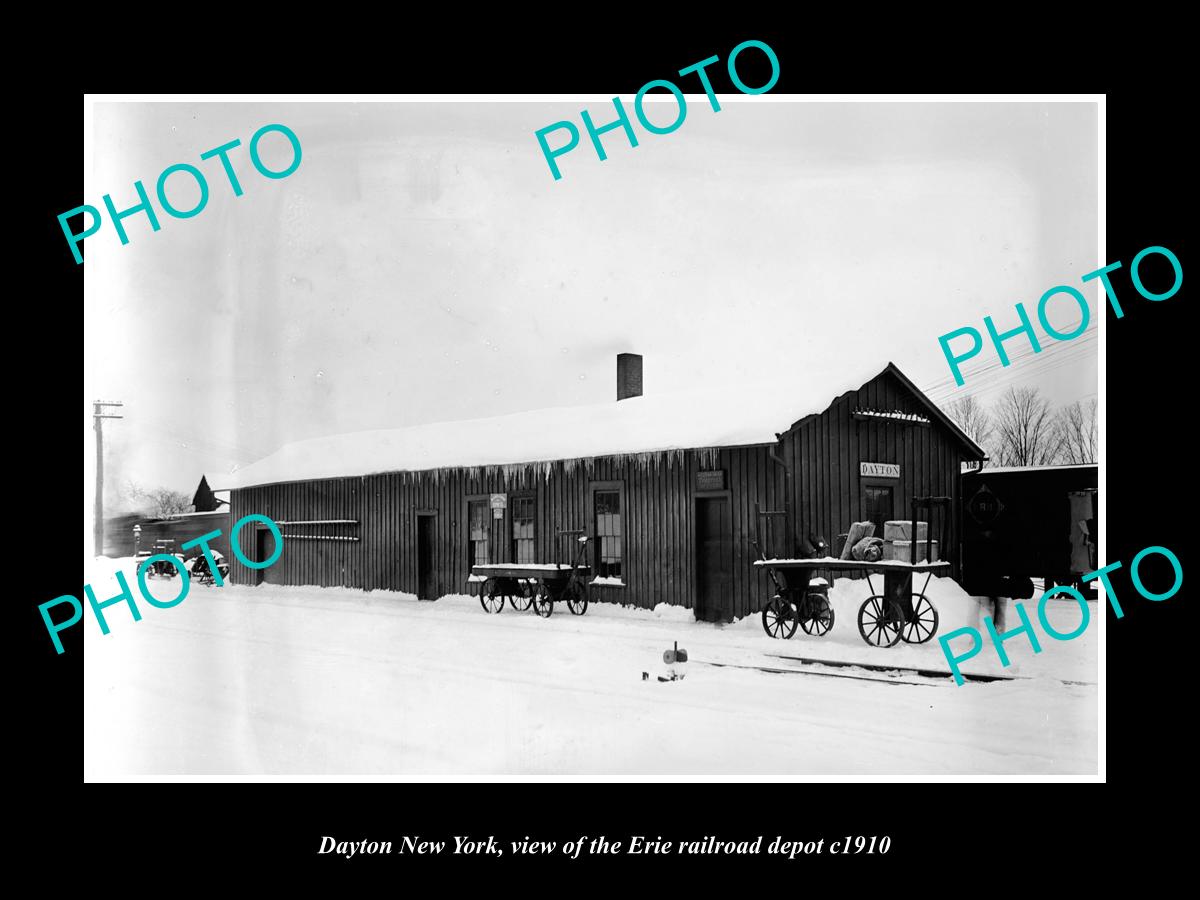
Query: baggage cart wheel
522, 601
492, 600
924, 622
577, 600
779, 618
820, 615
543, 602
880, 622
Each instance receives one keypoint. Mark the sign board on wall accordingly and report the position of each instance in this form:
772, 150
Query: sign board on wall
984, 506
711, 481
879, 470
499, 504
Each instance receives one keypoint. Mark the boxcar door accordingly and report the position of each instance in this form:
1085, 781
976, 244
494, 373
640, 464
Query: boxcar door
714, 560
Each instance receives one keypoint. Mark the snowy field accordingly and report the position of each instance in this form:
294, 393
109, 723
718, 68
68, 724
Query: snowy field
292, 681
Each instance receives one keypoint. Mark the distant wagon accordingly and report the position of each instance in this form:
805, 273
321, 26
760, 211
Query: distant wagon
170, 534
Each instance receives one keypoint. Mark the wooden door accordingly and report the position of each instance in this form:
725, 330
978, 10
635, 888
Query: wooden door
425, 588
714, 560
264, 546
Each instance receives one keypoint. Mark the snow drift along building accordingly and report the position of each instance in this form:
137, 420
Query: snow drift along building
667, 486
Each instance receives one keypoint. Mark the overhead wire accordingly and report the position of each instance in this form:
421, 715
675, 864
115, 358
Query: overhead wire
1038, 367
951, 386
1027, 374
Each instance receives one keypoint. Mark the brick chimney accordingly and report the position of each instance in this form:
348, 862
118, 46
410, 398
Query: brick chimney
629, 375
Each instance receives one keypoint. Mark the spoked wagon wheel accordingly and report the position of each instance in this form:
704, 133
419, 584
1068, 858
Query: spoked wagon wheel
523, 600
880, 622
924, 621
577, 600
820, 615
492, 600
779, 618
543, 603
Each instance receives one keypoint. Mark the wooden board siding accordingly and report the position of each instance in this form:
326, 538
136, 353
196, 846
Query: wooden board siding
658, 506
825, 451
657, 509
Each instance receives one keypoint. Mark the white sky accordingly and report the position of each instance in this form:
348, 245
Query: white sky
422, 264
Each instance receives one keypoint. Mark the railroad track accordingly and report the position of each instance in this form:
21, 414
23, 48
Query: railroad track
792, 670
892, 674
928, 673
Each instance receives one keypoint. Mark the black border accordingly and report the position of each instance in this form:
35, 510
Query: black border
948, 831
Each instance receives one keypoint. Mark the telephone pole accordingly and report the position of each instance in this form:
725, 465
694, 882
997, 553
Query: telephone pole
98, 416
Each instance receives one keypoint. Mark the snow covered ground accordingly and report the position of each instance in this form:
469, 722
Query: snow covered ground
273, 680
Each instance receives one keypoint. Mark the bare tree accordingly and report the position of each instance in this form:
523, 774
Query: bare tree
159, 502
1024, 429
969, 415
1076, 429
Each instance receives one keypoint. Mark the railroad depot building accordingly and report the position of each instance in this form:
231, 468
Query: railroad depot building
668, 487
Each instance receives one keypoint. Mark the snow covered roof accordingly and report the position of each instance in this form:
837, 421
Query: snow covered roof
996, 470
687, 420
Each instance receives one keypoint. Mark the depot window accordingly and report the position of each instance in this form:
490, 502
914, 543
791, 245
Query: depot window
878, 505
524, 529
479, 528
608, 550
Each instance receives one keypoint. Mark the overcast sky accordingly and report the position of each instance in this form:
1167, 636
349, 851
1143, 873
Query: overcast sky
423, 265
